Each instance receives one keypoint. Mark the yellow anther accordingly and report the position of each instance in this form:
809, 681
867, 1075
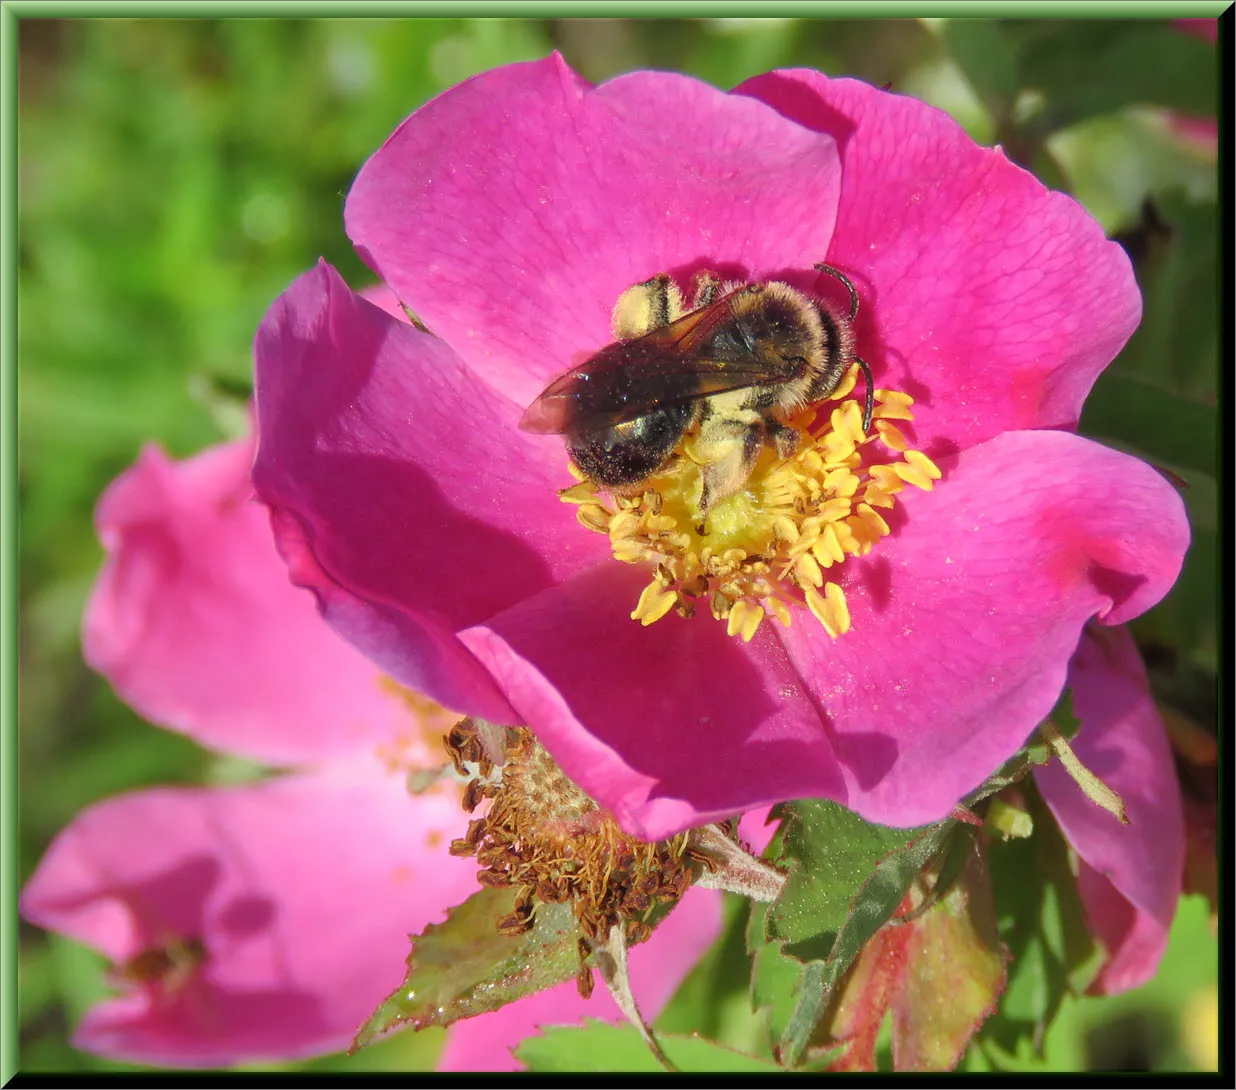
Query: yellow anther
654, 603
841, 482
808, 571
629, 550
828, 549
835, 509
873, 519
661, 524
890, 435
854, 421
877, 497
578, 493
594, 517
745, 618
911, 474
623, 524
785, 529
780, 610
891, 412
846, 386
893, 399
830, 609
921, 462
885, 476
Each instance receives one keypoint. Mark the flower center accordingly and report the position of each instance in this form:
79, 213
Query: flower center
764, 550
168, 967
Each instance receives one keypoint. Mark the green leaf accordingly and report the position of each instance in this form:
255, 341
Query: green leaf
848, 877
874, 904
1178, 340
1042, 922
953, 951
463, 966
1160, 424
598, 1046
1035, 752
1111, 163
1087, 67
832, 852
775, 976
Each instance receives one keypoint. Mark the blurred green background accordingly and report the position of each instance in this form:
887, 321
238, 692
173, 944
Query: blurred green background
176, 175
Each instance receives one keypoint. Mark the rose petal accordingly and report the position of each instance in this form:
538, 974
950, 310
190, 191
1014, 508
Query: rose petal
1131, 874
401, 492
669, 726
657, 968
964, 621
303, 890
196, 626
992, 301
511, 211
384, 299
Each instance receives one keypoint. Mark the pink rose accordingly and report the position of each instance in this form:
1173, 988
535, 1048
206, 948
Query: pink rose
509, 214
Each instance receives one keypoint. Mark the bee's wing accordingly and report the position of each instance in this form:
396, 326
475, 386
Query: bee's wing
661, 369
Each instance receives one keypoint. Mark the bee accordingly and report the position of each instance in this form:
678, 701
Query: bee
737, 366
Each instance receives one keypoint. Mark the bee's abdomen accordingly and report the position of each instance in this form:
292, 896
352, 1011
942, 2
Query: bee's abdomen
624, 454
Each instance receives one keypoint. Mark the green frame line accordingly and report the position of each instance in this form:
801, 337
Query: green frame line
8, 545
544, 9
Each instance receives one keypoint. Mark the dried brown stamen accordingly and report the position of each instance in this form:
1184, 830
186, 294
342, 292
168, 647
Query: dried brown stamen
544, 837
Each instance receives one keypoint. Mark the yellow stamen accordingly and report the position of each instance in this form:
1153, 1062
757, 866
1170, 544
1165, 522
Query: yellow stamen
846, 386
763, 551
593, 517
745, 618
893, 402
654, 603
830, 609
921, 462
780, 610
911, 474
577, 493
890, 435
828, 550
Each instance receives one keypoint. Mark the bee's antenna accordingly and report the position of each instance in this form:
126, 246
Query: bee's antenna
870, 392
857, 359
848, 287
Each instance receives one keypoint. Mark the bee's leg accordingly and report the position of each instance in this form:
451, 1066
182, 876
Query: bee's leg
645, 307
707, 285
785, 439
728, 447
